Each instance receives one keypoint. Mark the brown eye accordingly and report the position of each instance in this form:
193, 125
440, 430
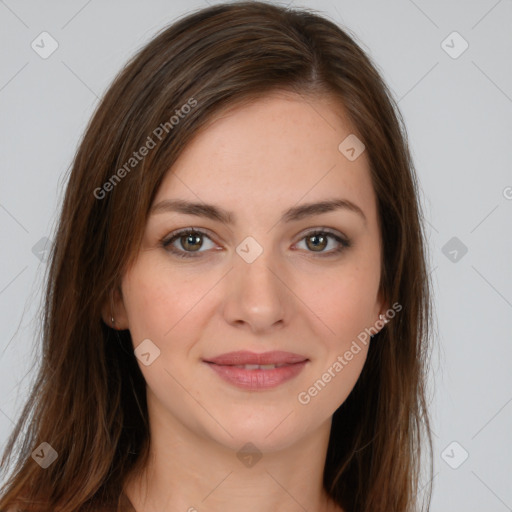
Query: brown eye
186, 242
190, 241
316, 242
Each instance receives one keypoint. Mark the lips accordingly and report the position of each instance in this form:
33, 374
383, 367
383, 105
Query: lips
243, 357
253, 371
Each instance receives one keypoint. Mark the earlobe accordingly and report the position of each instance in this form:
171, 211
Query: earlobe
113, 311
383, 309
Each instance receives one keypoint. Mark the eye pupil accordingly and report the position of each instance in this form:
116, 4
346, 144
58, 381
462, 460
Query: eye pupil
191, 239
316, 237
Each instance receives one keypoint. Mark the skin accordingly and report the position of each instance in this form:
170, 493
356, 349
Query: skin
255, 160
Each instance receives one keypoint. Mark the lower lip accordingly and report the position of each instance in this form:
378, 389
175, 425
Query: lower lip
257, 379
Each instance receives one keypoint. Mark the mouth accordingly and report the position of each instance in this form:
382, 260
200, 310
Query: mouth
244, 357
253, 371
257, 366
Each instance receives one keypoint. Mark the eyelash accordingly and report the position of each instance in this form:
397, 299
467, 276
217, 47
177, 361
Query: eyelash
166, 243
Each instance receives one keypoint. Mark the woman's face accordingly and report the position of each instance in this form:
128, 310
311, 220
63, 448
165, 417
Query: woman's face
262, 282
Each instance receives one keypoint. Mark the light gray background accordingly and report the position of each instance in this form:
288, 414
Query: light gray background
458, 113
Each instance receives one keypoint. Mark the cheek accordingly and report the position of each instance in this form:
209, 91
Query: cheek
147, 299
346, 307
333, 380
345, 300
161, 302
144, 301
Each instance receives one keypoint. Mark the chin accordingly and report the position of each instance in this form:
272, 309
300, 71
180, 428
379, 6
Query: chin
268, 435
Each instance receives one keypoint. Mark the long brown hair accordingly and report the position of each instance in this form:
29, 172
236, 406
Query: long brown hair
89, 401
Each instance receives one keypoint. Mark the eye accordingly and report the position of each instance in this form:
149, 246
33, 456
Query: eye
190, 240
316, 241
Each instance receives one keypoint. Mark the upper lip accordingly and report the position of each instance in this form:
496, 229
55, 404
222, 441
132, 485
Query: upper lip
243, 357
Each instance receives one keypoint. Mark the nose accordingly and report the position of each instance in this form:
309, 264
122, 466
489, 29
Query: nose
257, 296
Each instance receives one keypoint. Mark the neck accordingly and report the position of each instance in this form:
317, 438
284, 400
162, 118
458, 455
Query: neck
199, 474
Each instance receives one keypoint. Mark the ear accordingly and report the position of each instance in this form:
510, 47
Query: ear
382, 307
113, 308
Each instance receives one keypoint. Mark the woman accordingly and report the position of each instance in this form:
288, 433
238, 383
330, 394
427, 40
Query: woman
237, 311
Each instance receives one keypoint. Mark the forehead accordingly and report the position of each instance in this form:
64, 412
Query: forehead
271, 153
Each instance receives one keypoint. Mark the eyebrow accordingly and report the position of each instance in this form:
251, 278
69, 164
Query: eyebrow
295, 213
